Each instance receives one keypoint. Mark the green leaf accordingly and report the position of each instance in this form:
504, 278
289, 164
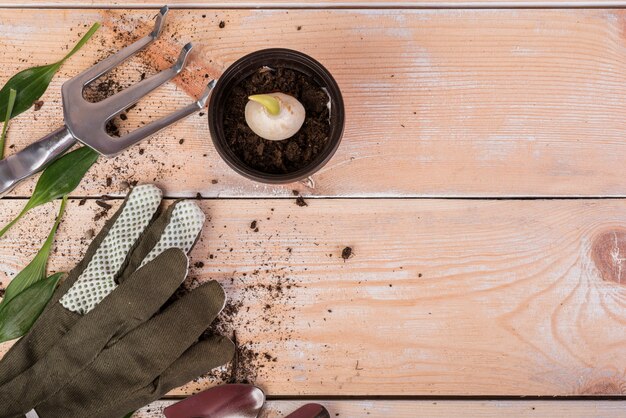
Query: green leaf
30, 84
58, 179
36, 269
21, 312
12, 95
62, 176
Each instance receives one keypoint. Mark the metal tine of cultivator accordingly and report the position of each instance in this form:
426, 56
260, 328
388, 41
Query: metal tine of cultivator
145, 131
115, 104
107, 64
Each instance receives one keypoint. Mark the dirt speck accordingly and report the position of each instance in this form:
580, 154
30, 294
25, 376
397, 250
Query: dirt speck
103, 205
347, 253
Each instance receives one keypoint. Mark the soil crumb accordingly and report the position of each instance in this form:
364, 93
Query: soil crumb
301, 202
347, 253
289, 155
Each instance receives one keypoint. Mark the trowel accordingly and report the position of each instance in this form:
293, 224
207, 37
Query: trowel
226, 401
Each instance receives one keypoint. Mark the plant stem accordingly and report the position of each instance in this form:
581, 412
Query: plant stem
12, 96
82, 41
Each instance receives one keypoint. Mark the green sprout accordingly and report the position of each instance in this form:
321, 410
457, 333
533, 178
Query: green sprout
270, 103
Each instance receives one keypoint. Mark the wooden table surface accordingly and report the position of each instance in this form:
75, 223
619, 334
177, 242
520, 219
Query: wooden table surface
481, 183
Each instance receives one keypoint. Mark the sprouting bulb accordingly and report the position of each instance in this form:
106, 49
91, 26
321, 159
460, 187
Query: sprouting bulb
274, 116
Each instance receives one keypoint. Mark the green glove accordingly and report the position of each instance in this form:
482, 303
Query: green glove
107, 306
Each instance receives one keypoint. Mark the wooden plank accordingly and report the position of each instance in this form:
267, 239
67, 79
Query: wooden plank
441, 297
439, 103
434, 409
320, 4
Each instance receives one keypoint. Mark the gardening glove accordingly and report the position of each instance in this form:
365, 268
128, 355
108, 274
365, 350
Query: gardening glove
157, 356
124, 279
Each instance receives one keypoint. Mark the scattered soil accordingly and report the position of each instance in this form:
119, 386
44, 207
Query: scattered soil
38, 105
289, 155
259, 301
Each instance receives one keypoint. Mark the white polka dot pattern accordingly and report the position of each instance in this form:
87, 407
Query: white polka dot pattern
98, 278
181, 232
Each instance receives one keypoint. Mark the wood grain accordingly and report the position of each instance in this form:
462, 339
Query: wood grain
441, 297
435, 409
439, 102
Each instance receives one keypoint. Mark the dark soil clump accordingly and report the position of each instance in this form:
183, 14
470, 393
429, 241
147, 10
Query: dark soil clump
301, 202
289, 155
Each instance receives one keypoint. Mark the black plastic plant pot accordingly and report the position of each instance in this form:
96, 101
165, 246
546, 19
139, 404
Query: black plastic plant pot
244, 68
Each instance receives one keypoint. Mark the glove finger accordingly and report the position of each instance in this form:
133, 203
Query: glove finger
197, 360
201, 357
130, 304
107, 261
137, 299
150, 194
178, 227
162, 339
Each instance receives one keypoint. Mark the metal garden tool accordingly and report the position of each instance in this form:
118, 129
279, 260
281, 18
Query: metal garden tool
85, 122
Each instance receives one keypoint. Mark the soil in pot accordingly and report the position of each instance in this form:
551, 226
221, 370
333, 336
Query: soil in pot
289, 155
